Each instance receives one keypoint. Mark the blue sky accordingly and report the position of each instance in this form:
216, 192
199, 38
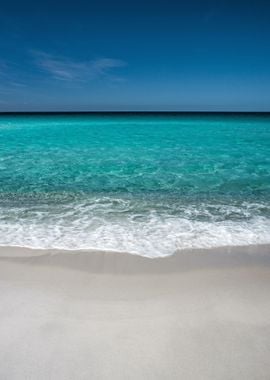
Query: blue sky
135, 55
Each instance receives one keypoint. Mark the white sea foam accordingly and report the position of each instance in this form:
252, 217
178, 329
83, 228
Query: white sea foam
97, 226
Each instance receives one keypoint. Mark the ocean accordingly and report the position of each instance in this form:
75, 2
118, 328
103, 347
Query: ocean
147, 184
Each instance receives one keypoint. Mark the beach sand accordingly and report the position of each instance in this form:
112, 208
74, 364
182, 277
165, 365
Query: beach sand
201, 314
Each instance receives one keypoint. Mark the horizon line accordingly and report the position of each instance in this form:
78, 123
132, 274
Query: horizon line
131, 112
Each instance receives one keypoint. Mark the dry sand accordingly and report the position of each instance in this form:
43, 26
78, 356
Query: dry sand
89, 315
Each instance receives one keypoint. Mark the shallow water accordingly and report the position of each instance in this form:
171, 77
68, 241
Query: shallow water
146, 184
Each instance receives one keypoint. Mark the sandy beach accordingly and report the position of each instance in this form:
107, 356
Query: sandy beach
201, 314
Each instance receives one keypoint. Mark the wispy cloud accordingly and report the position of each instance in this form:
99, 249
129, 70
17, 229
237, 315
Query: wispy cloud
3, 67
66, 69
9, 77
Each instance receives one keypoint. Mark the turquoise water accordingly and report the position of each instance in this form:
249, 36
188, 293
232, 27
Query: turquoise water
145, 184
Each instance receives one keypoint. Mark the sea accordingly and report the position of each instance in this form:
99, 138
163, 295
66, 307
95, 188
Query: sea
151, 184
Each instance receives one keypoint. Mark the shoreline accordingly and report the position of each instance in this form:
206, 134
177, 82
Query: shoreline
123, 262
200, 314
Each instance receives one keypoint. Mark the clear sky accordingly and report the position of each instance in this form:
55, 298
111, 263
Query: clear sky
135, 55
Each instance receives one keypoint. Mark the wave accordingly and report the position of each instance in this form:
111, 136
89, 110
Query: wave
118, 225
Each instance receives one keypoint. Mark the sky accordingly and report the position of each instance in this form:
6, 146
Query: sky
101, 55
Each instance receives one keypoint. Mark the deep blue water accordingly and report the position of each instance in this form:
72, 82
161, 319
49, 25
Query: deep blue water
146, 184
